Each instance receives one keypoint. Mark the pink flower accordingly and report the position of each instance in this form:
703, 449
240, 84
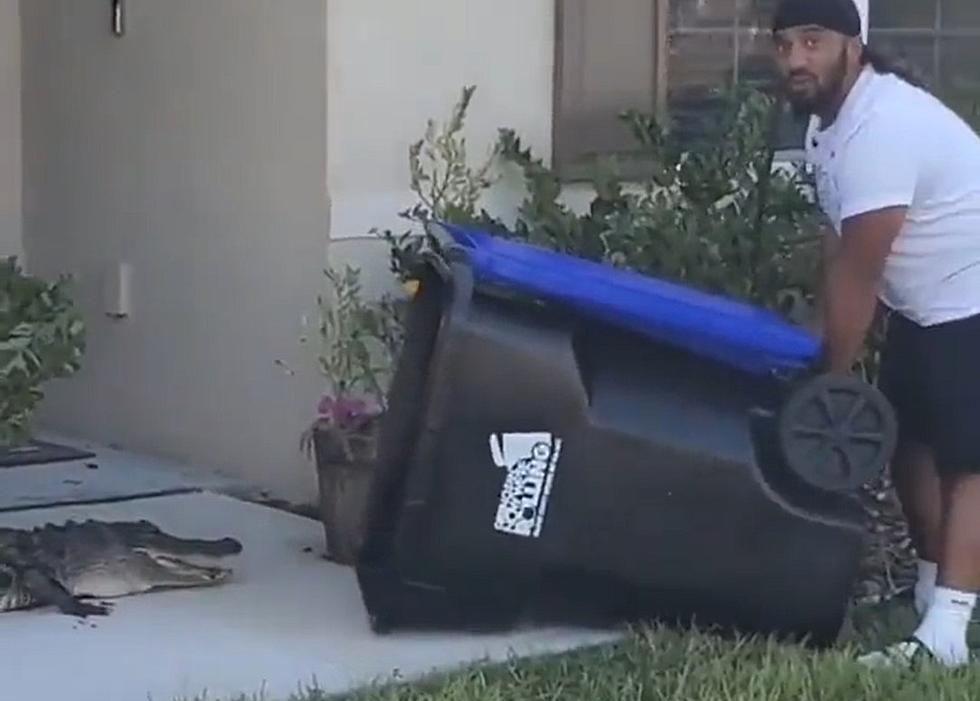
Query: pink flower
342, 411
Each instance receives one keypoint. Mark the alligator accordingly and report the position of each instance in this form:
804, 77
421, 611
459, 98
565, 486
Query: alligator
70, 565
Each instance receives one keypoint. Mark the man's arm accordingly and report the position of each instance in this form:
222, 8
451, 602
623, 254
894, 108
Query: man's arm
830, 243
852, 282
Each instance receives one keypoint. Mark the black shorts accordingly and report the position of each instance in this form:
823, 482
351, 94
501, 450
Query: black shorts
931, 375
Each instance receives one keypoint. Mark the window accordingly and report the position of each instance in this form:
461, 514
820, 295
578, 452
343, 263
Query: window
676, 57
937, 39
714, 44
671, 57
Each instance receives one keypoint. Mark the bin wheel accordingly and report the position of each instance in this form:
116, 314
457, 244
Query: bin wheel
837, 433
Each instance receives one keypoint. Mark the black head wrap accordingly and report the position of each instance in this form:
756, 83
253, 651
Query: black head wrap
836, 15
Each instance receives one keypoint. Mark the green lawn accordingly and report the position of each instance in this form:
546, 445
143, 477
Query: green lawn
661, 665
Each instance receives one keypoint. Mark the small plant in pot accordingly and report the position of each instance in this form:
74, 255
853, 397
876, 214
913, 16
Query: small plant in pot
359, 340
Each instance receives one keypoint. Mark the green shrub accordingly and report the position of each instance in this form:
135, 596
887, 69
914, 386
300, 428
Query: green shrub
715, 215
43, 337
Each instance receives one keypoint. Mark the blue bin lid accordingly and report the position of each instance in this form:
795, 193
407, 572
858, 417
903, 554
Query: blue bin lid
747, 337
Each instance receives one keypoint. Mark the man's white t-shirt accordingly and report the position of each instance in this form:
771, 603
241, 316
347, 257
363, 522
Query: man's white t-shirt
893, 144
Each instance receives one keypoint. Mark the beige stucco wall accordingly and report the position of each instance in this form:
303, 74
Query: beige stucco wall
392, 66
10, 166
193, 149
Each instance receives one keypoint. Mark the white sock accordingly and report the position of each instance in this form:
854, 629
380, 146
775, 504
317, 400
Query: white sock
943, 630
925, 586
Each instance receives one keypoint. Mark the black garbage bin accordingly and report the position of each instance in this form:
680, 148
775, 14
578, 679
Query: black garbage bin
576, 443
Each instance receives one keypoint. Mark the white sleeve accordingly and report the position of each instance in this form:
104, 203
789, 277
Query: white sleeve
880, 167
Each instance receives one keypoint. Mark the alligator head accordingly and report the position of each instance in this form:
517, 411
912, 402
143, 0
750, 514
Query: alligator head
64, 565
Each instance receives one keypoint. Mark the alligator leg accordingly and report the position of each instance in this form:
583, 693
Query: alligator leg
48, 592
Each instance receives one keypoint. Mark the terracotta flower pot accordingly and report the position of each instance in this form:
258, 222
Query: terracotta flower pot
344, 478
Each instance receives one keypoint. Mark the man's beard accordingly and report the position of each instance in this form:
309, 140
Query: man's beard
825, 95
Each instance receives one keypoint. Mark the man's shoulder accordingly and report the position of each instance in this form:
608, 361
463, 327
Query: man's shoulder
909, 147
900, 114
895, 99
898, 103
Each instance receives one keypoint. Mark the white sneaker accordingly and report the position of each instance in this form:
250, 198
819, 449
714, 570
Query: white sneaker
903, 654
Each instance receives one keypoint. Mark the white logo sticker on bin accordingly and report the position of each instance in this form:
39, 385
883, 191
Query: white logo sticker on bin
530, 460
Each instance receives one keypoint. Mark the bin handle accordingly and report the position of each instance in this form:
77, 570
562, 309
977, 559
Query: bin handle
458, 275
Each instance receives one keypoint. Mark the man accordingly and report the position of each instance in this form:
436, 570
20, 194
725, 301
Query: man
898, 177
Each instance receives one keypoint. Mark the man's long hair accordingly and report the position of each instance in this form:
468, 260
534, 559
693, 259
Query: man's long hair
885, 63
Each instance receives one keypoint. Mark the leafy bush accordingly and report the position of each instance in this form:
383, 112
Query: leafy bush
43, 337
717, 217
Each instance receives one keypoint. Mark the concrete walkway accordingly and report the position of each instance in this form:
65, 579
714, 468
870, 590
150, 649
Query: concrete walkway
288, 620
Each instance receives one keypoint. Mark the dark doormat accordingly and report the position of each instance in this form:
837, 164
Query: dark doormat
38, 452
